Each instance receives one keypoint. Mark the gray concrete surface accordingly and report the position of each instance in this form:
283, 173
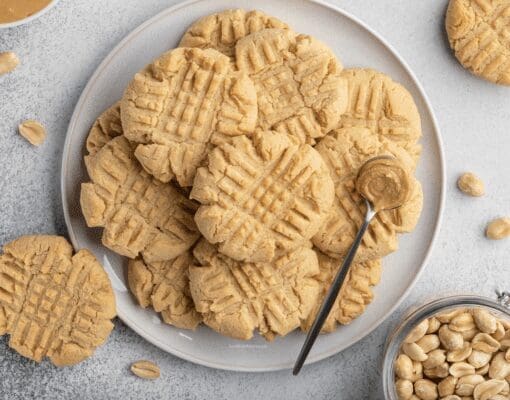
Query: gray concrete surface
60, 51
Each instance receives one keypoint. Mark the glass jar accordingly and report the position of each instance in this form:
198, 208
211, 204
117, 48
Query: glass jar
498, 308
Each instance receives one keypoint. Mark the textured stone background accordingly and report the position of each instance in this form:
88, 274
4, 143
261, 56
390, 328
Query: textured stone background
60, 51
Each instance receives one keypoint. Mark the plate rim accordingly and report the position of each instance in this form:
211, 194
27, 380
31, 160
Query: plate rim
315, 357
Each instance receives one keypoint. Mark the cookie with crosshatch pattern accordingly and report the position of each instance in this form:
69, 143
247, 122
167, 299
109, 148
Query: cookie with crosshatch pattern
52, 303
222, 30
299, 88
140, 215
479, 34
164, 285
184, 101
237, 298
383, 106
344, 151
356, 292
262, 196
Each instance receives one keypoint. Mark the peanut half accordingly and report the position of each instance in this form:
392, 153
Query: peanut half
33, 131
8, 62
145, 369
470, 184
498, 229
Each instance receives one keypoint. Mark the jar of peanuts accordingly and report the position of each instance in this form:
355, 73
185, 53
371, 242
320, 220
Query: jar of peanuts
453, 348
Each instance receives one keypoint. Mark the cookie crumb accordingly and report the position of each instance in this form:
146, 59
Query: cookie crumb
471, 185
8, 62
498, 229
33, 131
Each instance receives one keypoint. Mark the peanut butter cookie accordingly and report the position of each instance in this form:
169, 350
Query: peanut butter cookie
344, 152
236, 298
106, 127
355, 295
262, 196
165, 286
140, 215
478, 31
385, 107
52, 303
297, 78
221, 31
179, 104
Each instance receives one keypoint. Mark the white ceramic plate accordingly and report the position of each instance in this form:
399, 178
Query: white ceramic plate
356, 45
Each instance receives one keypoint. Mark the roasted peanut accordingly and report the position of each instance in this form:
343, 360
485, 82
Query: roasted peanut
487, 389
434, 325
507, 355
499, 334
452, 397
478, 358
498, 229
32, 131
414, 352
440, 371
499, 367
8, 62
145, 369
459, 354
429, 343
417, 371
466, 384
470, 184
447, 316
418, 332
449, 339
485, 342
435, 358
404, 389
470, 334
482, 371
462, 322
447, 386
404, 367
460, 369
484, 320
425, 389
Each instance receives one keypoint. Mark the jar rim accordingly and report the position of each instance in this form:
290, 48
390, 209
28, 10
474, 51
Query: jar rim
427, 310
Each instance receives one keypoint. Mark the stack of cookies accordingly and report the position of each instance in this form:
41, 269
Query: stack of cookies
226, 174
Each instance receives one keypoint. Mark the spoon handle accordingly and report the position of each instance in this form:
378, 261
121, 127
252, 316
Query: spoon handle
332, 294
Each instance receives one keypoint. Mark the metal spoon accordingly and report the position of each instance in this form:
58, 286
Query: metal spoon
330, 298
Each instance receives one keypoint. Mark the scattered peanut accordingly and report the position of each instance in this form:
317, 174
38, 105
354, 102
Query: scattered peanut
462, 354
498, 229
8, 62
470, 184
145, 369
33, 131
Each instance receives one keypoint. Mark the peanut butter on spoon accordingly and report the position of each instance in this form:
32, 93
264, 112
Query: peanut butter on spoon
384, 182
